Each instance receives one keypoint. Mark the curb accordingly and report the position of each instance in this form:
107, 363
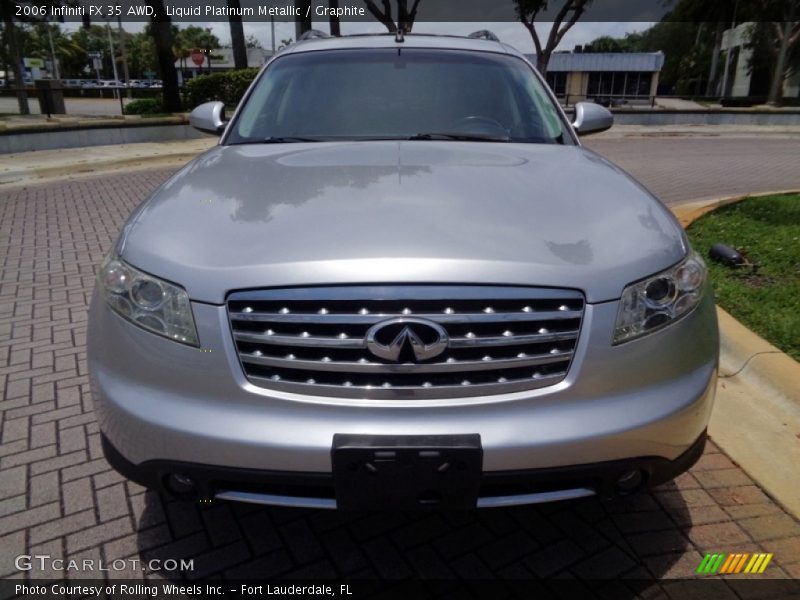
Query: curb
756, 416
77, 122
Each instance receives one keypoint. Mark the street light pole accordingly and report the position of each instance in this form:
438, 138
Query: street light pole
114, 68
111, 49
53, 52
125, 70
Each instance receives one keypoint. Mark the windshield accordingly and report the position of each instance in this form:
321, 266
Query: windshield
396, 93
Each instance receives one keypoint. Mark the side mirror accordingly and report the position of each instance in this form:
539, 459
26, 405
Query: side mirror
209, 117
591, 118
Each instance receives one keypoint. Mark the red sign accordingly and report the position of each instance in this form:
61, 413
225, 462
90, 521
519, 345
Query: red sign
198, 57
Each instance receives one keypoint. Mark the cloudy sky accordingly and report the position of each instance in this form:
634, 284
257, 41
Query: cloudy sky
509, 32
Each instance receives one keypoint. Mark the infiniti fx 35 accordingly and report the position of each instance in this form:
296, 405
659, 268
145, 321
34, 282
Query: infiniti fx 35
399, 281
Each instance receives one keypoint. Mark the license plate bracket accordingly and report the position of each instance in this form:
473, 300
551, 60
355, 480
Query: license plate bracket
408, 472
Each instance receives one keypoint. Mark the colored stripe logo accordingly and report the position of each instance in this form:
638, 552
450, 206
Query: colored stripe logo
743, 562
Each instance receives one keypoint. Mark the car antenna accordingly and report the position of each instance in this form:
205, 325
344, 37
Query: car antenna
399, 35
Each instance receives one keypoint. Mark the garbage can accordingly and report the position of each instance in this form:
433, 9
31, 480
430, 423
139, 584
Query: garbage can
51, 97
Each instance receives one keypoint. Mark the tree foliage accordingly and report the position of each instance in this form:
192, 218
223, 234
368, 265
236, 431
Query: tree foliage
252, 41
690, 35
228, 87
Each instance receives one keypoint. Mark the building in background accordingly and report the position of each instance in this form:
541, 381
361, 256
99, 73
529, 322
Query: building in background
604, 76
740, 78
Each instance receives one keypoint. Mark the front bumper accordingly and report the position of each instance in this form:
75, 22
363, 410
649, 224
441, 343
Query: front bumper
163, 403
317, 490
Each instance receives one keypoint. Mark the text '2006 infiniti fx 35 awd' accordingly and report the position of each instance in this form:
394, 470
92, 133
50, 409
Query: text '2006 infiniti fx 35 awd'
399, 281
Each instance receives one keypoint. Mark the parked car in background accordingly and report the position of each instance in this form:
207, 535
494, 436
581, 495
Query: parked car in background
400, 281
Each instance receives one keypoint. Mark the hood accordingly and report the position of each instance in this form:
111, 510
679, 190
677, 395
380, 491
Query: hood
254, 216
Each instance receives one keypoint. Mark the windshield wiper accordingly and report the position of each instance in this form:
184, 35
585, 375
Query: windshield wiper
290, 140
461, 137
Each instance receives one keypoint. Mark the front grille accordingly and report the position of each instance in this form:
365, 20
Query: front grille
313, 341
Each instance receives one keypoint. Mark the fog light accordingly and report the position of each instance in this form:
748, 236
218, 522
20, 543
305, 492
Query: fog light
629, 482
180, 484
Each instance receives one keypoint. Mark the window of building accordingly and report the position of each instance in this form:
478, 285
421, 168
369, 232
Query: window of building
557, 80
622, 84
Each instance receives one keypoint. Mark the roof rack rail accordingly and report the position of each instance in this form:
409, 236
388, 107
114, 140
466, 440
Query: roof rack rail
484, 34
313, 34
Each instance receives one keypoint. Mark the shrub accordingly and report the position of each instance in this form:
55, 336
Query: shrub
229, 87
144, 106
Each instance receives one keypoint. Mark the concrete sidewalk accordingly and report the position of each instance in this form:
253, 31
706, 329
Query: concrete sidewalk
42, 166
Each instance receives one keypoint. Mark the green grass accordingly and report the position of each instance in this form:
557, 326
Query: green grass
767, 231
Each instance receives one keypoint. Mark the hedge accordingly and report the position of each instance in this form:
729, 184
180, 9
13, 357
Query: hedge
229, 87
144, 106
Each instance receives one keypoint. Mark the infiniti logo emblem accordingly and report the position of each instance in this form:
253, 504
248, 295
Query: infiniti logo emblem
406, 338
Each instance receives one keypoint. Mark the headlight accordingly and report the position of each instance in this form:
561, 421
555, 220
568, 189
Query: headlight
146, 301
655, 302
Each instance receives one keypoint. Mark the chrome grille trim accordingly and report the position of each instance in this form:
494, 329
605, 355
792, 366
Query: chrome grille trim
376, 367
402, 392
455, 342
312, 341
537, 338
371, 319
297, 340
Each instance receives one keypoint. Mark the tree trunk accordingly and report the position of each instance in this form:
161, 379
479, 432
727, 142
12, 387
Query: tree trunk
334, 20
162, 36
776, 87
16, 59
237, 36
383, 17
302, 23
542, 60
712, 73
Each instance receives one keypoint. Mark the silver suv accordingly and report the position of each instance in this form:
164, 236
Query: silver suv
399, 281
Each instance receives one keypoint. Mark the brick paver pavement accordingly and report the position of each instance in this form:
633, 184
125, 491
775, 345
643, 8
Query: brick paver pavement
678, 169
59, 497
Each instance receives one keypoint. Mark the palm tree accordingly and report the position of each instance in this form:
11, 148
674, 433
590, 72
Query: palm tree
237, 35
181, 51
160, 26
65, 49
